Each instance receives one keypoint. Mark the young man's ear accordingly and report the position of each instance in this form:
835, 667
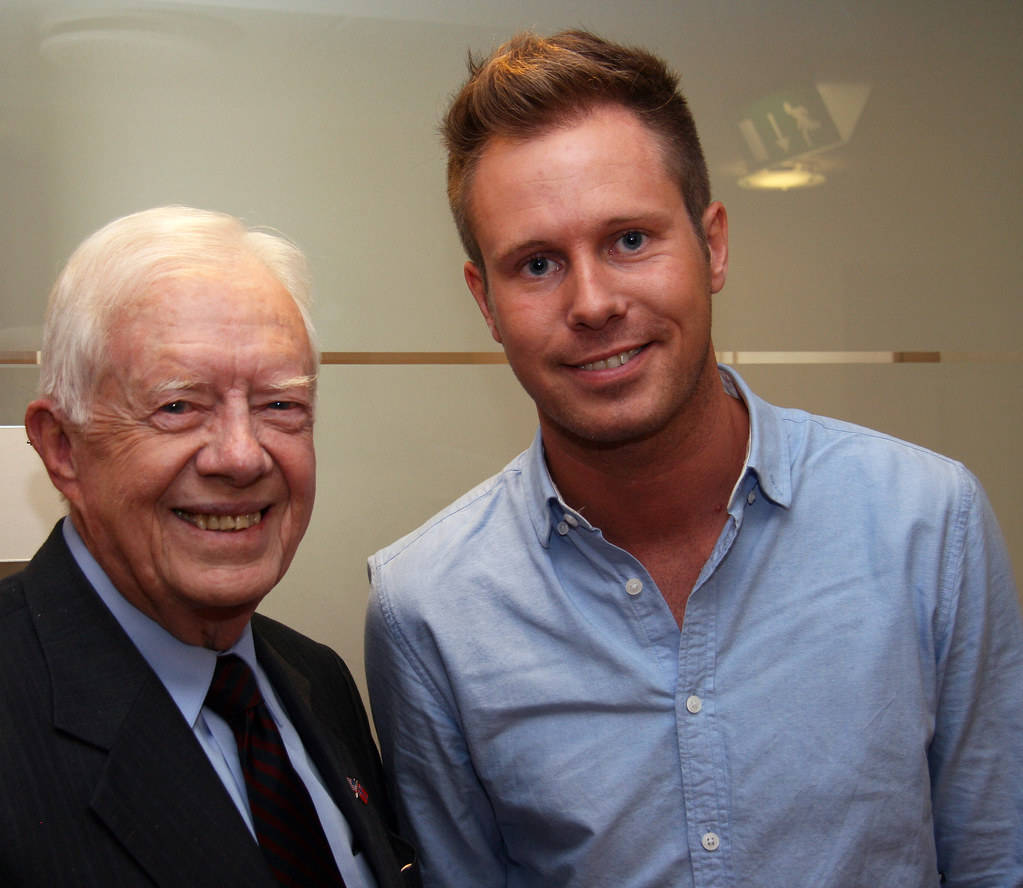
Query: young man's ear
715, 230
48, 434
478, 287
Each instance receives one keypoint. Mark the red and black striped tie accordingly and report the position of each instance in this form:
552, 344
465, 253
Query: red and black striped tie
287, 827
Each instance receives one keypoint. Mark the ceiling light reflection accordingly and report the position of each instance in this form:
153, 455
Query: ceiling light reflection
782, 178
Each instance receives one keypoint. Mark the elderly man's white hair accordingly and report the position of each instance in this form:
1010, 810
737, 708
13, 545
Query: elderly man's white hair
119, 264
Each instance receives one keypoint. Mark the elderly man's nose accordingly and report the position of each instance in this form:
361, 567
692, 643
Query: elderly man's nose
234, 450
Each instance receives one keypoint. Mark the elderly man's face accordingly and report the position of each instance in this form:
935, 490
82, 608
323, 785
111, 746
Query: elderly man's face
195, 479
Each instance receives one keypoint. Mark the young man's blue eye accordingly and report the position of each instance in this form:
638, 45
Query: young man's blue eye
538, 265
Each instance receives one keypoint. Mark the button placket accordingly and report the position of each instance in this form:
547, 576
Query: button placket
703, 757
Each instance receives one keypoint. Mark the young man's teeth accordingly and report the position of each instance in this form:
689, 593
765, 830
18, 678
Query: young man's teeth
613, 361
219, 522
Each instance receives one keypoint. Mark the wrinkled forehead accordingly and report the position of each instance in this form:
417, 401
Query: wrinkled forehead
240, 314
245, 289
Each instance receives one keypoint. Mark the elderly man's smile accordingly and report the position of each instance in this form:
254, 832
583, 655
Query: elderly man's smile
205, 521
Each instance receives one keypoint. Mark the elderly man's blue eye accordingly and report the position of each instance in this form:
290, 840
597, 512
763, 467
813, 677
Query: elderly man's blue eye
281, 405
175, 407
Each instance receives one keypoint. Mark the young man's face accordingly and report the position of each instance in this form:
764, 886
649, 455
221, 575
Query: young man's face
597, 285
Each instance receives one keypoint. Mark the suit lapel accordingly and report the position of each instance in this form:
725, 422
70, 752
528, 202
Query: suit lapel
157, 792
333, 758
177, 819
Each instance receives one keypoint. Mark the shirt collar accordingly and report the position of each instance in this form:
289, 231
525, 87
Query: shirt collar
186, 670
767, 457
541, 496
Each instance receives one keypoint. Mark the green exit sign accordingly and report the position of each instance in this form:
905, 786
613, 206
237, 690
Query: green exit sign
787, 125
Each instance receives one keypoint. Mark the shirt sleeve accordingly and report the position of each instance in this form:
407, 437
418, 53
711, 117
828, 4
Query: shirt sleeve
440, 801
976, 754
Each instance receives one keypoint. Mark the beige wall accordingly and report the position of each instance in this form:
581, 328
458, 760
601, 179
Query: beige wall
321, 121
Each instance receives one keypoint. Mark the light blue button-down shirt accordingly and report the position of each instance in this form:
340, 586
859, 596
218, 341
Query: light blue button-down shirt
842, 708
186, 671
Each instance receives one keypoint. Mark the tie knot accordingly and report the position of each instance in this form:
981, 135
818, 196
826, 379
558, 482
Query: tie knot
233, 689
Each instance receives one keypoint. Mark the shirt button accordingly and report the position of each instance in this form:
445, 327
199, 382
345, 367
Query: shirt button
571, 520
710, 841
634, 587
562, 528
751, 496
694, 704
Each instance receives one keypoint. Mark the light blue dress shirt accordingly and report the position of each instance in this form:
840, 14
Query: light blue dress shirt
186, 671
843, 707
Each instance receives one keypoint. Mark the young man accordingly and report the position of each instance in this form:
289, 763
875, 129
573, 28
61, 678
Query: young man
687, 638
156, 731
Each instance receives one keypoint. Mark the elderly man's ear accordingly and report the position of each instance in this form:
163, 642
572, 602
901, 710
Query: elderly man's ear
48, 435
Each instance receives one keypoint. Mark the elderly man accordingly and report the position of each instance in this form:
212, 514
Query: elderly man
155, 730
687, 638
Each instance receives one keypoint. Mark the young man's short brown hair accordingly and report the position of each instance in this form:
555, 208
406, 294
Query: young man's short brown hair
531, 84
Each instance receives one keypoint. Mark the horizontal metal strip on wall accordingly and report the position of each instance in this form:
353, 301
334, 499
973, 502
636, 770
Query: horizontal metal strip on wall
14, 358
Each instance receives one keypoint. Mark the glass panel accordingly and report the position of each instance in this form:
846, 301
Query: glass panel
320, 118
17, 387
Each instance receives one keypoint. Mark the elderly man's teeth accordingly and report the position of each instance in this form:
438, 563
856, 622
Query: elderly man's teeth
220, 522
613, 361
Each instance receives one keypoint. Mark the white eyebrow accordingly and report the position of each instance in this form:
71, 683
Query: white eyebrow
175, 385
307, 381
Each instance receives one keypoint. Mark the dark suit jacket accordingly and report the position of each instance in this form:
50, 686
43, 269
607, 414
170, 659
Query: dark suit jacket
102, 782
